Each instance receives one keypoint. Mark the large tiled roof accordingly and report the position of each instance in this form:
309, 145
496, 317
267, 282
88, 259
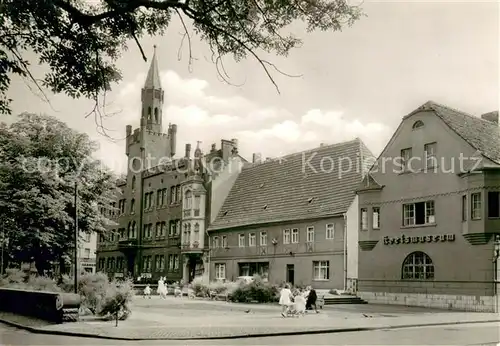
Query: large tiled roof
288, 189
482, 135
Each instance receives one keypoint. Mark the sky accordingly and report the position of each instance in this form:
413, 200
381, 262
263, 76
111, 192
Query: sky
356, 83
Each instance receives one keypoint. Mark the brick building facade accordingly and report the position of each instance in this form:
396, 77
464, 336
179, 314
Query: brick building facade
164, 203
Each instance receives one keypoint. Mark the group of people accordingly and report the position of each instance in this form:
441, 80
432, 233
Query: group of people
298, 301
162, 289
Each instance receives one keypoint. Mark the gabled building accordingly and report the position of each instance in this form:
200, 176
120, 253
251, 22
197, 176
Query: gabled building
429, 228
164, 202
293, 219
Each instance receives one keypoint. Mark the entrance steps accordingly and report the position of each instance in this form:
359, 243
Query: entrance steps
332, 300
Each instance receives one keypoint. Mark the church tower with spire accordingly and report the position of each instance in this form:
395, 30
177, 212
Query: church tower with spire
148, 145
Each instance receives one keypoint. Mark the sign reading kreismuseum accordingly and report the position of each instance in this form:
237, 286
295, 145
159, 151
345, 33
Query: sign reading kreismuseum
419, 239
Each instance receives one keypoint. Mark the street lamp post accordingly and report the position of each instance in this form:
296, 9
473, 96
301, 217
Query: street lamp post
76, 238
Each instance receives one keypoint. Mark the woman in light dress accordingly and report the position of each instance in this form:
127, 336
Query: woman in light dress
285, 299
162, 289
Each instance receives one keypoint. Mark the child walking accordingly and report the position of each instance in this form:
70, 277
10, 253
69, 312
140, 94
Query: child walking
285, 299
147, 292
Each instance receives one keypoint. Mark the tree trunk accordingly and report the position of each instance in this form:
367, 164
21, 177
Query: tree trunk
116, 320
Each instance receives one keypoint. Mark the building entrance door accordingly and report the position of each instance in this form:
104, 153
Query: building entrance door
290, 273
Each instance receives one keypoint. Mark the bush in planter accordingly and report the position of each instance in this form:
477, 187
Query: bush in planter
116, 302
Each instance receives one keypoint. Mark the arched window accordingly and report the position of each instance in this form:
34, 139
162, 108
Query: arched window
156, 115
133, 182
129, 229
132, 206
149, 113
417, 266
418, 124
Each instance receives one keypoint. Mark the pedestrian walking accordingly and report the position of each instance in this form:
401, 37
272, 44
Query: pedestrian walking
311, 299
147, 292
285, 299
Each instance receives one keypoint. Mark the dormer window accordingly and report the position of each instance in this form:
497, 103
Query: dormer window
418, 124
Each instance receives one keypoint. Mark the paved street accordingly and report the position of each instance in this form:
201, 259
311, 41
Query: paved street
465, 334
177, 319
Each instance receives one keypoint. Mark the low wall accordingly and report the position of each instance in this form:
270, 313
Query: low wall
452, 295
49, 306
438, 301
139, 289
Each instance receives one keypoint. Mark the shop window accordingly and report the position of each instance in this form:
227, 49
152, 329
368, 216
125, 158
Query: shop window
417, 266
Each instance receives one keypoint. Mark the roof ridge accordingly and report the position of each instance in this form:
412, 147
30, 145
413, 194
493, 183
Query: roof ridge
461, 112
282, 158
329, 146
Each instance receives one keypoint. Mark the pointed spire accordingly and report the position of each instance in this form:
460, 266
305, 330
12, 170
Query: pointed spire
153, 78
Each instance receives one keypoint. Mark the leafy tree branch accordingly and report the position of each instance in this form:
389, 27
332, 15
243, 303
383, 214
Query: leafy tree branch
81, 40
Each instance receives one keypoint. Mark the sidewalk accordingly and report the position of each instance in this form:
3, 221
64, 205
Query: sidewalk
177, 320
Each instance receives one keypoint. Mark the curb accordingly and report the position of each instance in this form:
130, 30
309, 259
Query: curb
238, 336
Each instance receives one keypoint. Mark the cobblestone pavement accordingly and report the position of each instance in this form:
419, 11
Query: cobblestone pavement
188, 319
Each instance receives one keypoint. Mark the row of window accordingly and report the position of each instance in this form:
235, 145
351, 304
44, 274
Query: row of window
321, 270
423, 213
111, 264
162, 200
416, 266
147, 263
118, 263
429, 155
186, 234
160, 231
290, 236
189, 205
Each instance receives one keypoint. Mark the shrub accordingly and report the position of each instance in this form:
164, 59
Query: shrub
218, 287
42, 283
116, 300
92, 289
13, 278
257, 290
200, 287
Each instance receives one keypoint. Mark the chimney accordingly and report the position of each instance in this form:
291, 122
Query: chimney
173, 139
188, 151
227, 148
321, 145
256, 158
491, 116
